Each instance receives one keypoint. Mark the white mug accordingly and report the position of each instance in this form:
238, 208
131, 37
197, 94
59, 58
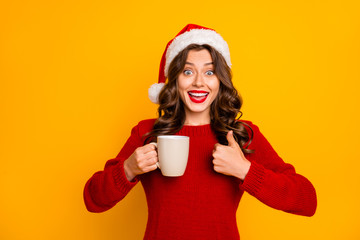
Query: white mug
173, 152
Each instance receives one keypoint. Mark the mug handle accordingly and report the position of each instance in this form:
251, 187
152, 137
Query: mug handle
155, 144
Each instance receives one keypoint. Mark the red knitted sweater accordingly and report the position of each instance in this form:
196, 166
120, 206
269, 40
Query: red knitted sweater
202, 203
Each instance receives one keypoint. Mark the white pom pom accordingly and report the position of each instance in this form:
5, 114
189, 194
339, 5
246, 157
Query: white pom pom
154, 92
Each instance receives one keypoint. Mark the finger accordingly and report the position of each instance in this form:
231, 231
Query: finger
149, 148
217, 169
152, 161
150, 154
215, 161
231, 140
216, 154
151, 168
216, 146
145, 164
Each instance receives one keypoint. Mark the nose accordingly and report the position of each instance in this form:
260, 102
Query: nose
198, 81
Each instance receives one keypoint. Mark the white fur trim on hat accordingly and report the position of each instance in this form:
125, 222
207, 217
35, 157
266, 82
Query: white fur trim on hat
154, 92
197, 36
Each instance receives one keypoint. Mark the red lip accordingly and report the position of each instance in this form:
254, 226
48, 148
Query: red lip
198, 99
198, 91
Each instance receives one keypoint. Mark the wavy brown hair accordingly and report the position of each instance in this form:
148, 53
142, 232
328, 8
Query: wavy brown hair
224, 111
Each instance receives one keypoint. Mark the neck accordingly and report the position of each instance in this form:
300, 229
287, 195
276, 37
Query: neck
196, 119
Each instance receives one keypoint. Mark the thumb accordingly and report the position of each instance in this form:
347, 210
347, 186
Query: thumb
231, 140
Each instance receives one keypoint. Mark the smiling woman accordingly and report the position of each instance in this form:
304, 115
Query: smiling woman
198, 87
227, 156
226, 101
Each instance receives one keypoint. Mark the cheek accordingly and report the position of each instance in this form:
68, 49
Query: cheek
182, 95
215, 85
183, 83
182, 86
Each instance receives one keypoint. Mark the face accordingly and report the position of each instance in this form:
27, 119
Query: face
198, 85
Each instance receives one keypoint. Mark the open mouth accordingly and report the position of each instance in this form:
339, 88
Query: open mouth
198, 96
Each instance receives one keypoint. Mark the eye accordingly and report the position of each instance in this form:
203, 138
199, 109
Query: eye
209, 73
187, 72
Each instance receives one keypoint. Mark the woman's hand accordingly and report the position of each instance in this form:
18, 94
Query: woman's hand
142, 160
230, 160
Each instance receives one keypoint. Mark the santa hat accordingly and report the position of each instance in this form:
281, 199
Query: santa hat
190, 34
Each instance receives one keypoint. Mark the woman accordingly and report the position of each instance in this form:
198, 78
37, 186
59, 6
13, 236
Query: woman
226, 157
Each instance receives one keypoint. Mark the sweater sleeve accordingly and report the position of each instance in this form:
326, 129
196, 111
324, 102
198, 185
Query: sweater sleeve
106, 188
276, 183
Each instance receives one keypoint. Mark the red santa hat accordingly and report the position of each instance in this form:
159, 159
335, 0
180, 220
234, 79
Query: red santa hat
190, 34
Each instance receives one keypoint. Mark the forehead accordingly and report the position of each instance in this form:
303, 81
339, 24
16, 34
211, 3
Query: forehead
199, 57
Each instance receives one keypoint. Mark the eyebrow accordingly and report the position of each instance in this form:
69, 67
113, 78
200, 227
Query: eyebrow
210, 63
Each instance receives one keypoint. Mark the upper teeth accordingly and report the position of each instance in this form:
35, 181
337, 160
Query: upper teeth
198, 94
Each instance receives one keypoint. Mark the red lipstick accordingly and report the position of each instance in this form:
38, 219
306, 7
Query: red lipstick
198, 96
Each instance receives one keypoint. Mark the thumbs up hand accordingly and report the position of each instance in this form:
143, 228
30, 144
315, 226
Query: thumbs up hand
230, 160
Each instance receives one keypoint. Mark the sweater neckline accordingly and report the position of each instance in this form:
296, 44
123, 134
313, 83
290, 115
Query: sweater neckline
191, 130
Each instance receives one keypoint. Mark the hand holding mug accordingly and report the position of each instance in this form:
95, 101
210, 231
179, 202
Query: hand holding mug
142, 160
170, 154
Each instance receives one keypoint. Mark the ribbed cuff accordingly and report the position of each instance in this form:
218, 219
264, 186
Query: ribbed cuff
120, 178
254, 179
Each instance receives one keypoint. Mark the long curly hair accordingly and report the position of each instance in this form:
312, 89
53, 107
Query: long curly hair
224, 110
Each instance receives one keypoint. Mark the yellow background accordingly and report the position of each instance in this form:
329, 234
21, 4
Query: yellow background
74, 79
